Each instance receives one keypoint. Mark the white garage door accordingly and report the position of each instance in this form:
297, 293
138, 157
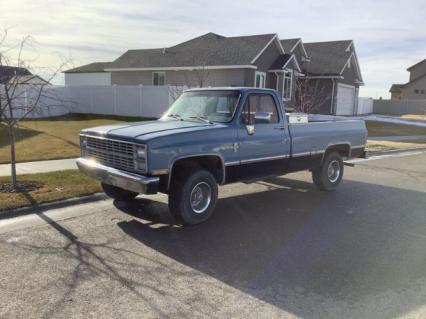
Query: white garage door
345, 100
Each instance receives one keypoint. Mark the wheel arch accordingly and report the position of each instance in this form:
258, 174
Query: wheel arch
344, 149
212, 162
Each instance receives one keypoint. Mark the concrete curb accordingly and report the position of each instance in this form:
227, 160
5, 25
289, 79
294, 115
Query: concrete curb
11, 213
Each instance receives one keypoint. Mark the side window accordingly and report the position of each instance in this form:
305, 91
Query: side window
259, 103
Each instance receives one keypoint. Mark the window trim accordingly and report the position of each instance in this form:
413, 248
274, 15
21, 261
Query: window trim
240, 116
164, 78
256, 73
290, 71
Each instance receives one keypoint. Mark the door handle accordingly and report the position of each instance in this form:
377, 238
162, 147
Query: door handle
281, 127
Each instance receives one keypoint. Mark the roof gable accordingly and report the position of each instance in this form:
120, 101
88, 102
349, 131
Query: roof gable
416, 65
327, 58
207, 50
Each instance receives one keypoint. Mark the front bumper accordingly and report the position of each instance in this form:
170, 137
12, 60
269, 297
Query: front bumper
112, 176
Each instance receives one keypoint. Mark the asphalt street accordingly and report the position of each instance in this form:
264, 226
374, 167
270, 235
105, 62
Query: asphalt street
273, 249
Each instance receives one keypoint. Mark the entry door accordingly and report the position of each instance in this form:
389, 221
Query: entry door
266, 150
345, 99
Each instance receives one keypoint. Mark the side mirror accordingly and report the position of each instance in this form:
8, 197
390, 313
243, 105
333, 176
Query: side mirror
250, 129
262, 118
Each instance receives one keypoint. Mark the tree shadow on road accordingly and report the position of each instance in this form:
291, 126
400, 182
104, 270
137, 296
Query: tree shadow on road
293, 242
312, 254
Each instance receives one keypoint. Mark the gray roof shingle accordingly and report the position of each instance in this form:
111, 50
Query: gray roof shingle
207, 50
327, 58
89, 68
396, 88
280, 62
288, 44
7, 72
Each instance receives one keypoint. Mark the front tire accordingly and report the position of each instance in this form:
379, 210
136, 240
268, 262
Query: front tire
329, 175
193, 197
118, 193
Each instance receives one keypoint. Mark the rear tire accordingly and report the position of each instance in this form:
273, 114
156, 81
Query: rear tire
118, 193
193, 197
329, 175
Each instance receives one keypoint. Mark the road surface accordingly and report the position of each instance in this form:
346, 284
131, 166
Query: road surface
275, 249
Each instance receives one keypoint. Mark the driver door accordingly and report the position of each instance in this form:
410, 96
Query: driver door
263, 141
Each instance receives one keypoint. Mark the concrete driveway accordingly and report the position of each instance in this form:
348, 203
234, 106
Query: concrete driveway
275, 249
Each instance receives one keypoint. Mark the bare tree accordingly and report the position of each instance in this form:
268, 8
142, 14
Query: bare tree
21, 95
310, 94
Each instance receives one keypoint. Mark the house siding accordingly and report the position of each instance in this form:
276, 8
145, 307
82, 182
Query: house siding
418, 71
233, 77
408, 90
265, 61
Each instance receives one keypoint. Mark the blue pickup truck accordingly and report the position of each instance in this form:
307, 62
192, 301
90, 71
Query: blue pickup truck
215, 136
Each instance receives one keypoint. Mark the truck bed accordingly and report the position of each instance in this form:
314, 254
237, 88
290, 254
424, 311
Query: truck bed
314, 137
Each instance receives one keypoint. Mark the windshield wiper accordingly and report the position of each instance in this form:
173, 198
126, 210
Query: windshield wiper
175, 116
201, 118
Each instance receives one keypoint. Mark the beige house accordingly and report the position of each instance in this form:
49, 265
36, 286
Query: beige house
326, 71
415, 89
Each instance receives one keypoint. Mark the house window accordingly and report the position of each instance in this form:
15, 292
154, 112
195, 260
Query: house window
416, 91
158, 78
260, 79
422, 91
287, 85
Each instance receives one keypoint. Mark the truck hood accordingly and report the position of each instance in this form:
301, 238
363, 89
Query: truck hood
141, 130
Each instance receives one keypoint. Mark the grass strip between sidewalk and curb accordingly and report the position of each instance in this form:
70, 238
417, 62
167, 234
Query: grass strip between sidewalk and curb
54, 186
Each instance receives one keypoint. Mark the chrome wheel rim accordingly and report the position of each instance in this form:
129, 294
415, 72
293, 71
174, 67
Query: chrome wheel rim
200, 198
333, 171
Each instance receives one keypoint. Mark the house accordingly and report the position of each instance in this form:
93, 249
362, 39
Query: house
335, 75
18, 75
255, 60
89, 74
415, 89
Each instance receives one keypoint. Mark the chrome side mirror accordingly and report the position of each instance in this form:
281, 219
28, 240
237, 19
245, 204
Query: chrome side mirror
250, 129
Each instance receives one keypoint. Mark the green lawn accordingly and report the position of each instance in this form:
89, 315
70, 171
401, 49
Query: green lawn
387, 129
53, 186
52, 138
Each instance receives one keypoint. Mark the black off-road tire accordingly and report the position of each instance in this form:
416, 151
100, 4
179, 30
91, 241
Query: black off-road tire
180, 196
321, 176
118, 193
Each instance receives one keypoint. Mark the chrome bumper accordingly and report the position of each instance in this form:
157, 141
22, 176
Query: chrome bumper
132, 182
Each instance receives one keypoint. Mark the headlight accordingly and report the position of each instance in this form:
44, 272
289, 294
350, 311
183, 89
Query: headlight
140, 152
83, 145
83, 141
140, 158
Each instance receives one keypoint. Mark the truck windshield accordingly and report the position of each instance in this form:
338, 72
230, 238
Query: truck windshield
212, 106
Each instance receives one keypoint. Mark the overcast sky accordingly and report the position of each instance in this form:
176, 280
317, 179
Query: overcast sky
389, 35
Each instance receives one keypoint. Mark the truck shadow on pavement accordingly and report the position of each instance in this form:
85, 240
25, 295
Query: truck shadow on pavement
310, 253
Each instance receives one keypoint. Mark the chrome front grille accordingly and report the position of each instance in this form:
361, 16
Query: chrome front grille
108, 152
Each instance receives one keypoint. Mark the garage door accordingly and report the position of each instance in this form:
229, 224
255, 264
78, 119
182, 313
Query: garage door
345, 100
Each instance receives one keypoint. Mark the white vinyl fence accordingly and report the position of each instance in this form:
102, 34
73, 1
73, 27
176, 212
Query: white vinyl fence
126, 100
365, 105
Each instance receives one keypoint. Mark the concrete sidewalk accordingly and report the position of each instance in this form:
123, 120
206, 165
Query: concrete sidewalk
39, 167
397, 138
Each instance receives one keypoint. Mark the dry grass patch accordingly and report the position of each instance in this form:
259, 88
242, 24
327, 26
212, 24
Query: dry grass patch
376, 128
49, 187
379, 146
414, 117
53, 138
